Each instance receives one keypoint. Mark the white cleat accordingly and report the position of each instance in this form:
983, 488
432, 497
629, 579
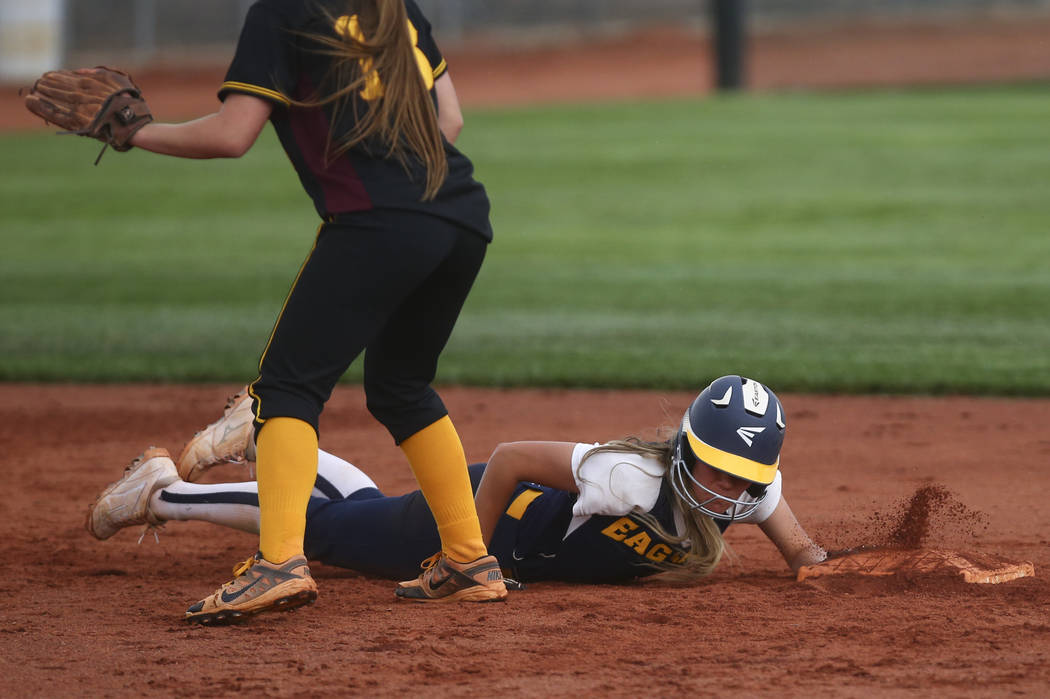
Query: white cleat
228, 440
126, 502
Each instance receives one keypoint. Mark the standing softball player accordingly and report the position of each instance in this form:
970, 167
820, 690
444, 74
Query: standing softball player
550, 510
363, 104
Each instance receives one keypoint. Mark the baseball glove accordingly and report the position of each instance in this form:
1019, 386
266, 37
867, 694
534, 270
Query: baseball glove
884, 562
101, 102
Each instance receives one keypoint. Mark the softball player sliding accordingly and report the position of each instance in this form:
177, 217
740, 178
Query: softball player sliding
363, 104
549, 510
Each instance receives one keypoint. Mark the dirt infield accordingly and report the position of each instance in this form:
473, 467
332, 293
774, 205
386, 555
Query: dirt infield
82, 617
87, 618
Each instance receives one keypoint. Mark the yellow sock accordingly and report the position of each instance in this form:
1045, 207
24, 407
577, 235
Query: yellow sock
286, 468
436, 456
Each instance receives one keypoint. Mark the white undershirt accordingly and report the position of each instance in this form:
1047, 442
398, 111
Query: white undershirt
615, 483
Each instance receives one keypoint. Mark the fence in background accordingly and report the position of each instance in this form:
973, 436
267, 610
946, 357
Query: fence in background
465, 18
137, 31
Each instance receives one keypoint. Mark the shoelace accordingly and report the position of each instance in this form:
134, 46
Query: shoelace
242, 568
233, 458
231, 401
150, 528
225, 412
429, 563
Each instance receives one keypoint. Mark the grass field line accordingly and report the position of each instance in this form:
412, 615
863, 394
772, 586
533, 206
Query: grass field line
859, 241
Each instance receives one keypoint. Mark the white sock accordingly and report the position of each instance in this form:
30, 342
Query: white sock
342, 475
234, 505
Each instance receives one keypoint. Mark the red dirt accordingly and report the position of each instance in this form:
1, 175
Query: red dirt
102, 618
82, 617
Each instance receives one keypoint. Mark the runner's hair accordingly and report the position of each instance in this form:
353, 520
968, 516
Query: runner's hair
702, 537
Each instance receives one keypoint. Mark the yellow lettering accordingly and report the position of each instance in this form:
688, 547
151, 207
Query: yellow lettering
639, 542
619, 529
348, 26
421, 58
658, 552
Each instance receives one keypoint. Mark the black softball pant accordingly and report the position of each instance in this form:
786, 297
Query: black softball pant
389, 283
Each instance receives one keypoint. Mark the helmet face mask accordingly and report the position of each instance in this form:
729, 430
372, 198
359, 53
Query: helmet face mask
735, 425
683, 482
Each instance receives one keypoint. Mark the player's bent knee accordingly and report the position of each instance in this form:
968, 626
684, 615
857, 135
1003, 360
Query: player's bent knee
405, 414
271, 403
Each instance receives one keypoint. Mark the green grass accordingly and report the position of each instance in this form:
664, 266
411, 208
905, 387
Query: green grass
889, 241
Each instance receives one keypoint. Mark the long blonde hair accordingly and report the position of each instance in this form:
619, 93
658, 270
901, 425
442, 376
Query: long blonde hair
702, 535
375, 73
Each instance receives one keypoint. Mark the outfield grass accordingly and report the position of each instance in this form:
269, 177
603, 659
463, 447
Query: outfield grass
836, 242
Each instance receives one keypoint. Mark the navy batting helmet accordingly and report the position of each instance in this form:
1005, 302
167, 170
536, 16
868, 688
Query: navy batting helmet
735, 425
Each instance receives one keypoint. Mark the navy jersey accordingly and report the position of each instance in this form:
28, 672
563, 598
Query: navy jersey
602, 549
276, 61
390, 536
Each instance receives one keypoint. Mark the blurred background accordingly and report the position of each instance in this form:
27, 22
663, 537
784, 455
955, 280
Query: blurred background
907, 40
862, 208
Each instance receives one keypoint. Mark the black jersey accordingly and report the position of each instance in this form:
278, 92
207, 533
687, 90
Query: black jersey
276, 61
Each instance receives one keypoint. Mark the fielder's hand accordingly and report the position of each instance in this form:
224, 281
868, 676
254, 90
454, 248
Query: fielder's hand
101, 102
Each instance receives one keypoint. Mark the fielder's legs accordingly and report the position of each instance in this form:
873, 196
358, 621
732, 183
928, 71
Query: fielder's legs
399, 366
